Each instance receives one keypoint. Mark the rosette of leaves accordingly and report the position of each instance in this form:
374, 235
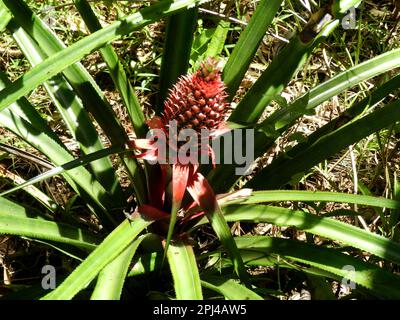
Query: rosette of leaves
110, 261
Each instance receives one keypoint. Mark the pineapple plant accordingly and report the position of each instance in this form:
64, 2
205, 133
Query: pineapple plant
156, 225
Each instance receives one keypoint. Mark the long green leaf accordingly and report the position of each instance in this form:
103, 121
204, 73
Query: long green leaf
350, 114
208, 42
248, 43
106, 252
281, 70
5, 17
117, 72
340, 7
327, 146
37, 194
352, 76
111, 279
14, 209
395, 213
221, 228
77, 75
45, 230
365, 274
73, 113
25, 122
178, 42
229, 288
315, 196
324, 227
146, 263
76, 163
185, 273
217, 42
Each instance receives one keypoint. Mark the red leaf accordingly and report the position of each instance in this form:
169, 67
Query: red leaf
202, 193
156, 185
180, 177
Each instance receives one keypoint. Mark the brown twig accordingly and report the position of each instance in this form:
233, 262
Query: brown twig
25, 155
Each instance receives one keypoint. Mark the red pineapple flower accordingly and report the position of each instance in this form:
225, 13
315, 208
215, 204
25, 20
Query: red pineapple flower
198, 100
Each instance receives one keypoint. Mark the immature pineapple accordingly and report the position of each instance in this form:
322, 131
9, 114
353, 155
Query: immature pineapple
198, 100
